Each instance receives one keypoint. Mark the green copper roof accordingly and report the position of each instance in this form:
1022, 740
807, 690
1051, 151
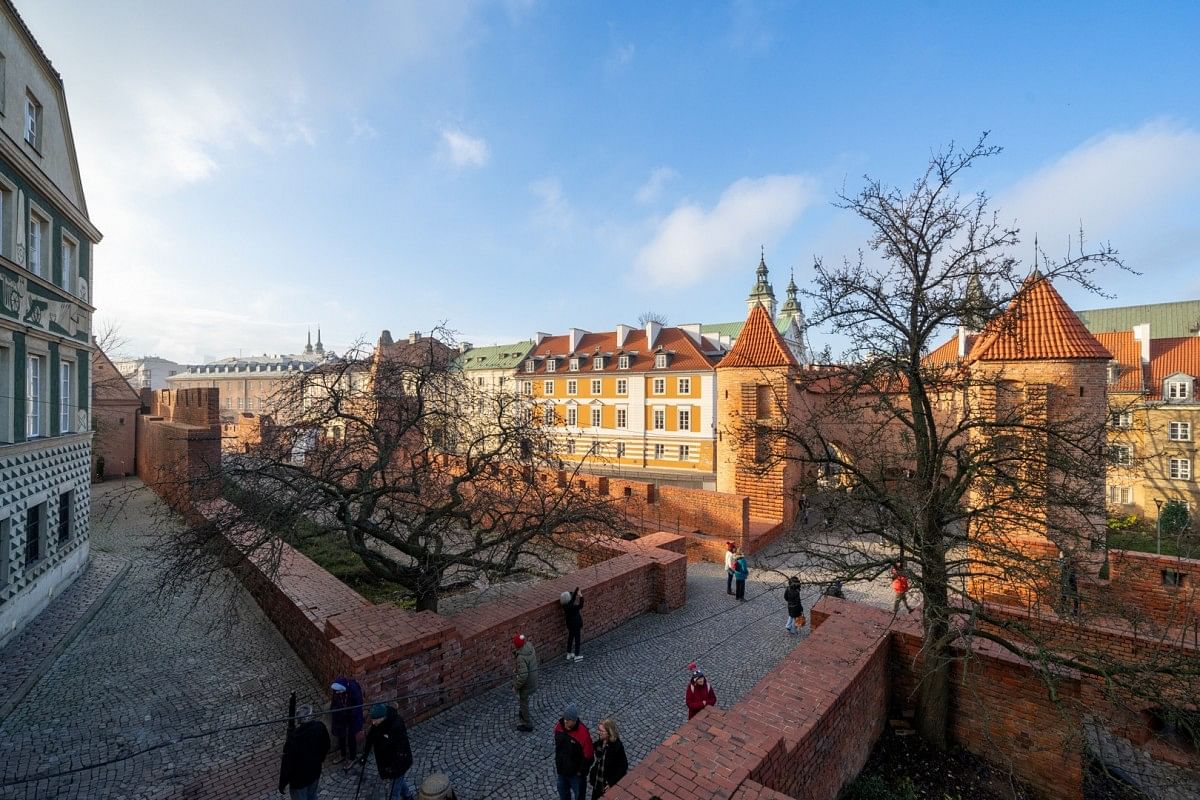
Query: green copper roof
500, 356
1167, 320
732, 329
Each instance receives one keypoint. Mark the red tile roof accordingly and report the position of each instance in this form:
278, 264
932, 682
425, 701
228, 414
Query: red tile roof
1037, 325
947, 352
1127, 352
685, 354
759, 344
1171, 356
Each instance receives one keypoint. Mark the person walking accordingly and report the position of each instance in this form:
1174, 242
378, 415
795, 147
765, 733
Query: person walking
835, 590
303, 754
572, 606
610, 762
900, 587
1069, 585
525, 667
572, 755
795, 605
699, 692
741, 571
730, 557
346, 714
388, 739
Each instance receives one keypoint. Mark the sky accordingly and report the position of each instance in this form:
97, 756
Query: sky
261, 168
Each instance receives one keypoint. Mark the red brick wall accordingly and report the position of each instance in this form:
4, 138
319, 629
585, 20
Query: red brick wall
1135, 580
179, 444
713, 513
116, 436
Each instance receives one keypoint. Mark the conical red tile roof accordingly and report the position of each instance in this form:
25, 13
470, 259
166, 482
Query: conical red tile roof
1038, 325
759, 344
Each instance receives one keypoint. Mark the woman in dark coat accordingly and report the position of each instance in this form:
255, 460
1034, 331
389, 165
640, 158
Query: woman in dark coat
795, 605
572, 605
346, 716
610, 764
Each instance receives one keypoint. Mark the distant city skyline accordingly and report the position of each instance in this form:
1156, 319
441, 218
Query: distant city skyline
516, 166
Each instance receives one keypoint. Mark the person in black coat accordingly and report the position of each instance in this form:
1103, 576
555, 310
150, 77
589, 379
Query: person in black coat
795, 604
610, 764
303, 753
388, 738
572, 605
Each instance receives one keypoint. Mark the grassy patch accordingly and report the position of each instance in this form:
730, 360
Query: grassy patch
1185, 546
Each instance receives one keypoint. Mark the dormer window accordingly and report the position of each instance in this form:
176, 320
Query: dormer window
660, 360
574, 365
623, 362
598, 362
551, 364
1114, 372
1177, 388
530, 365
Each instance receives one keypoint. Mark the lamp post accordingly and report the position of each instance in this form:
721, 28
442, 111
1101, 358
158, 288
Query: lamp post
1158, 504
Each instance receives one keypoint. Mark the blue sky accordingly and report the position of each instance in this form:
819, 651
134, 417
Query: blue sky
258, 168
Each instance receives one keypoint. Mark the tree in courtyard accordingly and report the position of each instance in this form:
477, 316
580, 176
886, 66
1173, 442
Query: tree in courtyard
1174, 518
434, 481
971, 474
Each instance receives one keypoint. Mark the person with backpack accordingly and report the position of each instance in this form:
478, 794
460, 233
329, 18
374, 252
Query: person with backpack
572, 755
795, 605
700, 693
730, 557
610, 763
572, 606
388, 739
900, 587
346, 714
741, 571
303, 754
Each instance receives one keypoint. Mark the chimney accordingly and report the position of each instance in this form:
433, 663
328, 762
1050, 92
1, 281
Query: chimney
464, 346
414, 337
652, 329
623, 332
575, 337
692, 329
962, 341
538, 337
1141, 334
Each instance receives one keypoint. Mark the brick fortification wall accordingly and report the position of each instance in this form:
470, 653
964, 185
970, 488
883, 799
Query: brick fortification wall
179, 444
437, 661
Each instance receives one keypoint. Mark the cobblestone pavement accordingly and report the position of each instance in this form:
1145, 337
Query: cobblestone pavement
149, 669
23, 656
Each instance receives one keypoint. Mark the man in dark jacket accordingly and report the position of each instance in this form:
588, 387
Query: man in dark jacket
572, 605
305, 751
346, 716
572, 755
388, 738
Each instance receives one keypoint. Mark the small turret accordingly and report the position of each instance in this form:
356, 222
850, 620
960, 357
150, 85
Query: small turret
320, 347
762, 293
308, 348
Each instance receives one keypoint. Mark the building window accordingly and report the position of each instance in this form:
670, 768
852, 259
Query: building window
65, 526
685, 386
1181, 469
1122, 419
1179, 431
1122, 455
620, 449
623, 362
685, 452
572, 387
572, 416
594, 450
551, 364
660, 360
1120, 495
239, 404
660, 419
7, 209
33, 397
1173, 578
660, 385
596, 386
229, 402
622, 417
68, 265
574, 366
64, 396
685, 419
1177, 390
530, 365
596, 416
39, 234
598, 362
571, 447
35, 533
33, 121
660, 451
548, 388
622, 386
527, 387
548, 416
7, 426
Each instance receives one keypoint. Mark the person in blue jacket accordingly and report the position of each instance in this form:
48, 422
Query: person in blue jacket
346, 717
741, 571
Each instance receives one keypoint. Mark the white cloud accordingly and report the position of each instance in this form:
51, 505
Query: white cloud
1106, 183
553, 211
463, 150
693, 243
651, 190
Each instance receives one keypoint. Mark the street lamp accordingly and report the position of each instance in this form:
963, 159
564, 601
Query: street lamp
1158, 504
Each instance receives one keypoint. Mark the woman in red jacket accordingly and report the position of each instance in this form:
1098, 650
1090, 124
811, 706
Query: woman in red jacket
699, 692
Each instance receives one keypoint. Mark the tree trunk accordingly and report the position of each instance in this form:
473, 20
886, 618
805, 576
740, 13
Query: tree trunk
933, 696
426, 591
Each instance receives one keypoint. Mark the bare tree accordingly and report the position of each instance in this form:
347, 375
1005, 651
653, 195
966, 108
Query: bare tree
651, 316
979, 480
434, 482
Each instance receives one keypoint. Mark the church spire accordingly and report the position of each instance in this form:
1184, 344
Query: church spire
762, 293
308, 348
320, 347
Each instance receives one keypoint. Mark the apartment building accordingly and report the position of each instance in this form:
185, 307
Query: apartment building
46, 241
148, 372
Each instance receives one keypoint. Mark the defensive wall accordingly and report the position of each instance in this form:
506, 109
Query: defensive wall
179, 444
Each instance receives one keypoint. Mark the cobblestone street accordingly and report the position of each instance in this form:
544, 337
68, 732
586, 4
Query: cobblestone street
147, 670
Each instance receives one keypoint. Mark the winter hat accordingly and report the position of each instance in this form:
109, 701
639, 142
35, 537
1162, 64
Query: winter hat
436, 786
696, 673
518, 641
337, 687
571, 713
564, 598
378, 711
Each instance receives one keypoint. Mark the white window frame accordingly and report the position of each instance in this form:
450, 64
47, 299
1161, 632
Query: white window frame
35, 395
66, 393
572, 387
33, 121
572, 417
69, 248
8, 218
596, 387
1122, 419
685, 452
683, 419
35, 260
548, 416
1180, 469
597, 416
1122, 455
551, 364
620, 449
570, 447
527, 387
7, 404
660, 361
573, 365
1178, 431
1178, 390
622, 386
659, 386
598, 362
548, 388
658, 418
530, 365
623, 362
685, 386
660, 452
622, 416
1120, 495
